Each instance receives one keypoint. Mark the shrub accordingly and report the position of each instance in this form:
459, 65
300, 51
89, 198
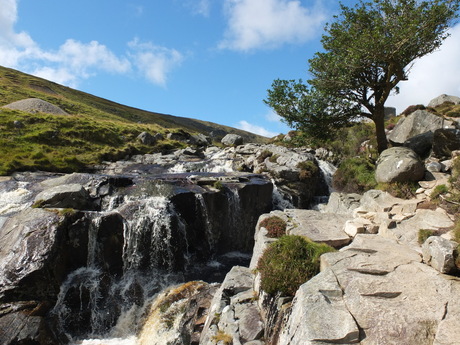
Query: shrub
308, 169
288, 263
410, 109
423, 235
276, 227
223, 337
354, 175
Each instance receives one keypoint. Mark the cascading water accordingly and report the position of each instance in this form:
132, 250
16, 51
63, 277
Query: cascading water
93, 303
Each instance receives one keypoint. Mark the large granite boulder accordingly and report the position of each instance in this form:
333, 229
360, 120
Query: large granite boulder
232, 140
419, 122
399, 164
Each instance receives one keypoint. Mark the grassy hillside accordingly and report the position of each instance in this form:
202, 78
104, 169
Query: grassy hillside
96, 130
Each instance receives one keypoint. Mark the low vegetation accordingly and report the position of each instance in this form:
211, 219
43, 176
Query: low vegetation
423, 235
288, 263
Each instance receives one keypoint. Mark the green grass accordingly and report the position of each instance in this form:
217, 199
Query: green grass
96, 129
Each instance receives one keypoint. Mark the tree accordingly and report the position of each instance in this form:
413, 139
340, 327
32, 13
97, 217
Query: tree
368, 50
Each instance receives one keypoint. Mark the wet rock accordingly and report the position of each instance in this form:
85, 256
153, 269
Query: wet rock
65, 196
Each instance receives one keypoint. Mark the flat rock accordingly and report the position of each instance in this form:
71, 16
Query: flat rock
319, 227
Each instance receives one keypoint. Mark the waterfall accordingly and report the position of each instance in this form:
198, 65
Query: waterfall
204, 211
327, 170
280, 201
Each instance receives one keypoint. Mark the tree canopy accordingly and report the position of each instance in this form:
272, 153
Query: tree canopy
367, 51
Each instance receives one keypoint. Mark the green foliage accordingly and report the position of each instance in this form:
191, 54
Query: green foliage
288, 263
402, 190
276, 227
367, 51
354, 175
423, 235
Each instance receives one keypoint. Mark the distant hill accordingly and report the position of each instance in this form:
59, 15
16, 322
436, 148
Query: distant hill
89, 130
15, 85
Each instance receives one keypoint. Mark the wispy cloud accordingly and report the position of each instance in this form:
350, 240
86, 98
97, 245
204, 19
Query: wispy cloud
432, 75
200, 7
246, 126
75, 61
262, 24
155, 62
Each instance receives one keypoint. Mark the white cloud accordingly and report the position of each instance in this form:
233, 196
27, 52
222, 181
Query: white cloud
75, 61
201, 7
432, 75
272, 116
153, 61
255, 24
246, 126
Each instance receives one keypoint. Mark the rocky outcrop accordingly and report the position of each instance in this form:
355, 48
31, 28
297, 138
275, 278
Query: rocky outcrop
443, 98
445, 141
419, 122
234, 314
399, 164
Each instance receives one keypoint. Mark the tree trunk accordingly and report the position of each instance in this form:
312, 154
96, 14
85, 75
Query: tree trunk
379, 120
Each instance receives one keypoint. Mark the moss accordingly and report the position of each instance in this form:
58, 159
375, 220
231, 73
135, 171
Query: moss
276, 227
288, 263
264, 155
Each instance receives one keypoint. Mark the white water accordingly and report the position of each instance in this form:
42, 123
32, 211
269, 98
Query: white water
204, 211
328, 170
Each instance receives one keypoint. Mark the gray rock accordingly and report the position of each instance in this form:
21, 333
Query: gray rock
419, 122
319, 315
232, 140
147, 139
319, 227
444, 98
439, 253
35, 105
399, 164
200, 140
393, 297
433, 167
421, 144
342, 203
65, 196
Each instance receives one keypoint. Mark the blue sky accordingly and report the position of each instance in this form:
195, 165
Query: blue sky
207, 59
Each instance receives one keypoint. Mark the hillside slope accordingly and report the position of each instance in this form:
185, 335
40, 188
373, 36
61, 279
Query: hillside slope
97, 129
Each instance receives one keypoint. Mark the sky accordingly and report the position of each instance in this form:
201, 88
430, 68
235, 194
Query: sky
211, 60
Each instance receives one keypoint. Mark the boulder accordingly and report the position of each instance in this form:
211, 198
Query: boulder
443, 98
445, 141
399, 164
200, 140
232, 140
319, 227
439, 253
419, 122
147, 139
421, 144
